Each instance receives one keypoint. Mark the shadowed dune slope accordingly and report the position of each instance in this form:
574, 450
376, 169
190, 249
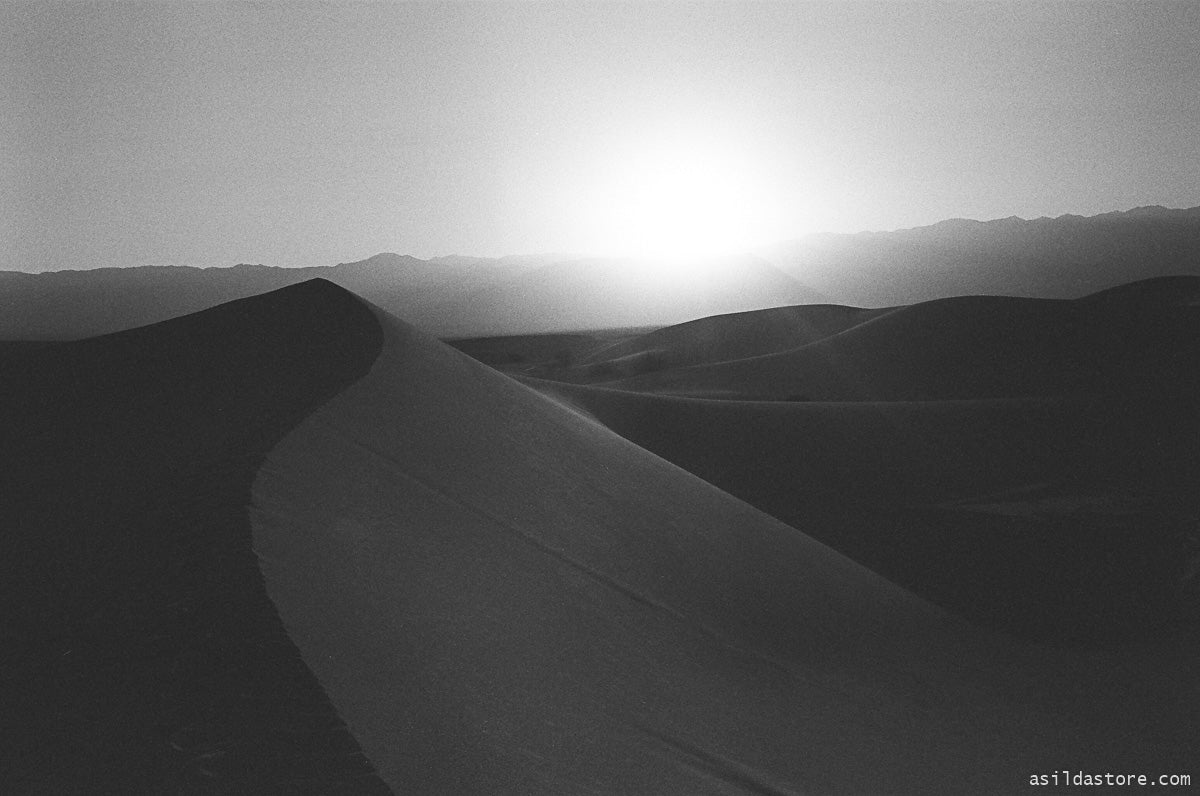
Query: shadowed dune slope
966, 347
503, 596
139, 653
521, 350
782, 455
864, 477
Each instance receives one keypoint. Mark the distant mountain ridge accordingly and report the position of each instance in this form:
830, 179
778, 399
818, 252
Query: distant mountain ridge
461, 296
76, 304
1065, 257
447, 297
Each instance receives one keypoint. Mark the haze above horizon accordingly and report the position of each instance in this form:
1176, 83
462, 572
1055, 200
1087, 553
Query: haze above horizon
211, 133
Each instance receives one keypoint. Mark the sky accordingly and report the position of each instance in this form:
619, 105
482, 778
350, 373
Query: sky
297, 134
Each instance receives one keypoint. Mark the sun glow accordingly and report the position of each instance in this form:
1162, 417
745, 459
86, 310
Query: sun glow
682, 197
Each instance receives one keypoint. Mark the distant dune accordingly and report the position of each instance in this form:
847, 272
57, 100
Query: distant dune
519, 350
737, 336
967, 347
1089, 403
293, 545
1163, 291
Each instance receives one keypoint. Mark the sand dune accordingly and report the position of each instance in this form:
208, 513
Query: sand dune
872, 480
740, 335
519, 351
786, 454
1116, 420
1158, 292
139, 652
504, 596
489, 588
962, 348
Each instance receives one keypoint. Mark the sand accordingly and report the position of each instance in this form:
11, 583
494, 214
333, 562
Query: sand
961, 348
292, 545
140, 653
502, 595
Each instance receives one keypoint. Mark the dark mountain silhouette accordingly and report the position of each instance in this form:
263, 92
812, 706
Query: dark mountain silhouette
65, 305
1065, 257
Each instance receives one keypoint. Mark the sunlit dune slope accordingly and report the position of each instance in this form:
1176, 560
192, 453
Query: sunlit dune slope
501, 595
967, 347
139, 652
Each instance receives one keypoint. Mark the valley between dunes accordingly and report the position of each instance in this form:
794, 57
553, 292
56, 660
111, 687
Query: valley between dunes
290, 544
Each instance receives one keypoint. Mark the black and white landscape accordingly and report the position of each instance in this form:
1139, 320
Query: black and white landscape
291, 543
909, 511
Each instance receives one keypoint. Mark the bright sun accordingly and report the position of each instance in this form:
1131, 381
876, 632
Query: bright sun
681, 198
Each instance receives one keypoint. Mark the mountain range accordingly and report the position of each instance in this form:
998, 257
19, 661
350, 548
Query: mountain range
458, 296
1065, 257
